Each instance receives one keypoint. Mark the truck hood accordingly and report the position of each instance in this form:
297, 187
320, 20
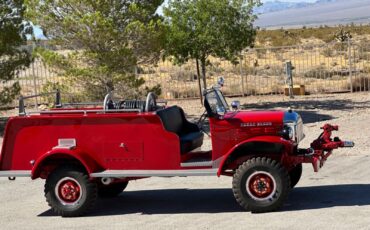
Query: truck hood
257, 118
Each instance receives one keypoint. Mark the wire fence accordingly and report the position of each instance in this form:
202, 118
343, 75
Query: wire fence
322, 68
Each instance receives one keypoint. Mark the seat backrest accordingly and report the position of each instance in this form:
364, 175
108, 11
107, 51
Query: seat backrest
172, 119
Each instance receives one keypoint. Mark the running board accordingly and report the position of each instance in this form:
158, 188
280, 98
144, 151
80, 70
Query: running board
15, 173
197, 164
155, 173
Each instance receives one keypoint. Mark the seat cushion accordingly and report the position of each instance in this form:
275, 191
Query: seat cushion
190, 141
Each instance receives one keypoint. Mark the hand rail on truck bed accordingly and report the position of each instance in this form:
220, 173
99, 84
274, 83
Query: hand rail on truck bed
22, 108
58, 104
85, 112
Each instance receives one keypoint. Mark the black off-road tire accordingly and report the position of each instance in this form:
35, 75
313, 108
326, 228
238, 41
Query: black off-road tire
112, 190
295, 175
88, 191
253, 168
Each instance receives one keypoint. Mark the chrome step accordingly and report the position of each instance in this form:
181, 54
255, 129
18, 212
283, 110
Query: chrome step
15, 173
197, 164
156, 173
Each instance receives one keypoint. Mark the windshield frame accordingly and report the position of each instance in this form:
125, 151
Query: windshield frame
220, 107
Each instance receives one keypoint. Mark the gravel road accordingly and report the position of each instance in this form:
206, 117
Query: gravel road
338, 197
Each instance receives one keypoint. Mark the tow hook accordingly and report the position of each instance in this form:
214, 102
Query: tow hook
11, 178
324, 145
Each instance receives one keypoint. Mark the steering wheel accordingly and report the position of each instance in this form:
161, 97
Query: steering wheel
151, 103
108, 99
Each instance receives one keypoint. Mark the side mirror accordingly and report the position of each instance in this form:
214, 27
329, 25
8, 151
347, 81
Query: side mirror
235, 105
221, 81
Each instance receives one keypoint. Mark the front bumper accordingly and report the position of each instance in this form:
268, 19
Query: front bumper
322, 148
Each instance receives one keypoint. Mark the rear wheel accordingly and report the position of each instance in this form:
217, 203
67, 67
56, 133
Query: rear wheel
69, 192
112, 190
261, 185
295, 175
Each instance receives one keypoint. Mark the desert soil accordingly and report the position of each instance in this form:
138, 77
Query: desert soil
338, 197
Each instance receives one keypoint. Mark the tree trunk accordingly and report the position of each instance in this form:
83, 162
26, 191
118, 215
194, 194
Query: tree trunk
200, 85
203, 63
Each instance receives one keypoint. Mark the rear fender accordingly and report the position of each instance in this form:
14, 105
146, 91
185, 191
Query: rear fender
260, 139
89, 164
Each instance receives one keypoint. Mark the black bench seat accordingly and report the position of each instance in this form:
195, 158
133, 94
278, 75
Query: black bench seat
173, 119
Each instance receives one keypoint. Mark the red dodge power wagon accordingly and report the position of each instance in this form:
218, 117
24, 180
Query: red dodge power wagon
86, 152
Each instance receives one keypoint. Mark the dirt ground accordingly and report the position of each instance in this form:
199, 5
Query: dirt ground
338, 197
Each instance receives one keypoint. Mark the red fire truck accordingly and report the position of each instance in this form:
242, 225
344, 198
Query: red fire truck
83, 153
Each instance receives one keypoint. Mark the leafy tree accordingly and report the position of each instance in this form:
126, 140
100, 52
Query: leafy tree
108, 39
13, 34
198, 29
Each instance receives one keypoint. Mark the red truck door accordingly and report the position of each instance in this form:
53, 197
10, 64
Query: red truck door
121, 152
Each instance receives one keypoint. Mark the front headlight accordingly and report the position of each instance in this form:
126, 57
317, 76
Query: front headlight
291, 132
288, 132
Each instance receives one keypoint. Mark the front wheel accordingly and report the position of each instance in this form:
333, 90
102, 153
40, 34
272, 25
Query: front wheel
69, 192
261, 185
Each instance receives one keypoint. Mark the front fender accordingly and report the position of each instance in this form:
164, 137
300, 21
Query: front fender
266, 139
86, 161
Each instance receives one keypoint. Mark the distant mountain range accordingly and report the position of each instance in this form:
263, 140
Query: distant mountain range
274, 6
322, 12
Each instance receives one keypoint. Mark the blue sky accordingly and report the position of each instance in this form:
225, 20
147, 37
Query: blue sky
290, 0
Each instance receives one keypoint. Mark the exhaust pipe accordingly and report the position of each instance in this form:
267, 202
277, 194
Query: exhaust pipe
106, 180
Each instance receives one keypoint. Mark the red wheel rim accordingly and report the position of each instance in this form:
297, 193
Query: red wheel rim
68, 191
261, 186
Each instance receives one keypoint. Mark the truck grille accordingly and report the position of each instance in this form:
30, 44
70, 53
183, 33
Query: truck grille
299, 130
294, 121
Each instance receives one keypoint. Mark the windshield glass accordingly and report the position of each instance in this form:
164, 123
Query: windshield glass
217, 101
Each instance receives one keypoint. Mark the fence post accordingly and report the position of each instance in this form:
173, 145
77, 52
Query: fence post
199, 84
350, 63
242, 76
34, 84
58, 100
289, 74
21, 108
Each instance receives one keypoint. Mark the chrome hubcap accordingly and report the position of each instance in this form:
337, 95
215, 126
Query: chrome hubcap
261, 186
68, 191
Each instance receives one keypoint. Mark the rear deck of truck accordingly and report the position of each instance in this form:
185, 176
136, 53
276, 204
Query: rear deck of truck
114, 142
